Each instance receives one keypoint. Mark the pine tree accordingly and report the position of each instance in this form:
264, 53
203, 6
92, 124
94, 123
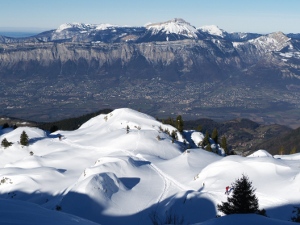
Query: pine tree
179, 123
243, 199
208, 148
224, 145
215, 135
281, 150
174, 135
24, 140
5, 143
205, 139
296, 217
293, 151
199, 128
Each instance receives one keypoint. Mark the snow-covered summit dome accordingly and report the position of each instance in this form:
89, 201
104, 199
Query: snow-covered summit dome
84, 26
81, 26
174, 26
213, 30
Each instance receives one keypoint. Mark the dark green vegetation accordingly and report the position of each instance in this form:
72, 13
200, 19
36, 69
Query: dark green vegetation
24, 139
244, 136
296, 216
242, 200
286, 143
5, 143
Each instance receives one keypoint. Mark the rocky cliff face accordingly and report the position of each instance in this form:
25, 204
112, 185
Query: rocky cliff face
195, 59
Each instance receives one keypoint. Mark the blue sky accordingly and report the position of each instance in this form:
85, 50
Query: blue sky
262, 16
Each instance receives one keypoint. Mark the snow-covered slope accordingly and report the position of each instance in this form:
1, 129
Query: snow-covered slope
272, 42
230, 36
122, 167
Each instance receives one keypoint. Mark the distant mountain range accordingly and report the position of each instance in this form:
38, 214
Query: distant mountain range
159, 68
172, 30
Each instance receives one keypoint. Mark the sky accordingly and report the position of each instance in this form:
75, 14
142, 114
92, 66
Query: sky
260, 16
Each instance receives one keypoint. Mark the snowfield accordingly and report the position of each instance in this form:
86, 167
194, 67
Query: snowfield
124, 168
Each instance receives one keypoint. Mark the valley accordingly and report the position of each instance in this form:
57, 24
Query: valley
40, 100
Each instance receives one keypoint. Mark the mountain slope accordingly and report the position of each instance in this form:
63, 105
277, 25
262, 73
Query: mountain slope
284, 142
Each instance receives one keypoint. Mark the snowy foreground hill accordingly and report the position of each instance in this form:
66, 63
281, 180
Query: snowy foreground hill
121, 168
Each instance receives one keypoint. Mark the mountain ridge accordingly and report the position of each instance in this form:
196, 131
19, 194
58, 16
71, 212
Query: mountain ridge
174, 26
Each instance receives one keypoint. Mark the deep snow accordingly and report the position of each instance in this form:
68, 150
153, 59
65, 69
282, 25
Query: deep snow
108, 174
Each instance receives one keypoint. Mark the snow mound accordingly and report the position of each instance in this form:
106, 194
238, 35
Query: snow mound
32, 132
92, 195
102, 186
126, 129
213, 30
260, 153
197, 137
175, 26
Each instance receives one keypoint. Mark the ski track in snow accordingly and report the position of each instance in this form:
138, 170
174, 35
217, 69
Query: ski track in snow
168, 181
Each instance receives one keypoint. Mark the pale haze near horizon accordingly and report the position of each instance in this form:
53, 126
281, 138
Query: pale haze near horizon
231, 15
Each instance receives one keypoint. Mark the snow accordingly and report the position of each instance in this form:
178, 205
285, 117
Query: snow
72, 25
175, 26
21, 213
213, 30
84, 27
107, 174
260, 153
104, 26
272, 42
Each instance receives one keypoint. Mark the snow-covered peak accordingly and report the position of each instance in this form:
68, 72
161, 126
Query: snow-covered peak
213, 30
174, 26
279, 37
80, 26
83, 26
272, 42
104, 26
